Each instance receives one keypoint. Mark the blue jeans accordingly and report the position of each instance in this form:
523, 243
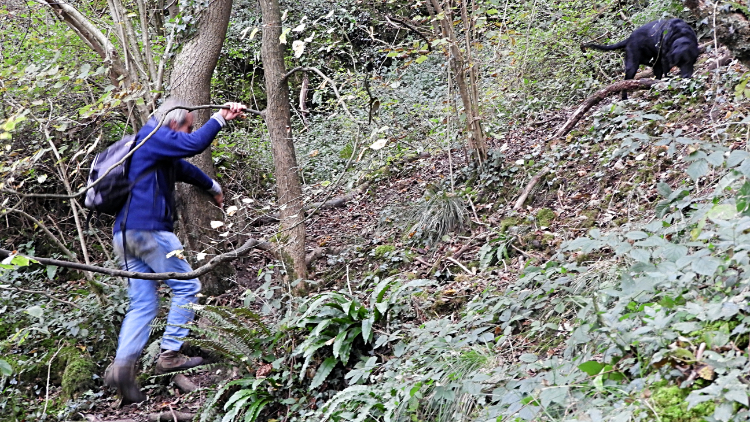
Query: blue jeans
147, 253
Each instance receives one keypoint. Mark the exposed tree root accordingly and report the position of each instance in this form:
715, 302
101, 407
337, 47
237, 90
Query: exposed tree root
629, 85
171, 416
534, 180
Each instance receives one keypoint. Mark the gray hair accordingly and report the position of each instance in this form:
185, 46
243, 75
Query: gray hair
178, 115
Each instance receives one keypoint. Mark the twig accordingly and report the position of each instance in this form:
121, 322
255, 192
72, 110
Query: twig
38, 292
325, 78
460, 265
173, 414
49, 372
421, 35
534, 180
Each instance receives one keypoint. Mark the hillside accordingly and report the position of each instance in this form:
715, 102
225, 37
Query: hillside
597, 287
615, 290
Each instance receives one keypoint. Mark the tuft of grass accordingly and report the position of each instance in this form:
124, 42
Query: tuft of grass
436, 215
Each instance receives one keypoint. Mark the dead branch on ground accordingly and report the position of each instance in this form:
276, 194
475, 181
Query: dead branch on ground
534, 180
628, 85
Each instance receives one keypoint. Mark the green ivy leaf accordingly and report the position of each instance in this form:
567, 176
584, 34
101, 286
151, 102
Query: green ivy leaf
706, 265
697, 169
663, 189
554, 395
528, 357
591, 367
35, 311
736, 157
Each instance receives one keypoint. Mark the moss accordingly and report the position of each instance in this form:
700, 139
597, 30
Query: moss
78, 375
346, 152
545, 217
507, 222
590, 219
671, 406
382, 250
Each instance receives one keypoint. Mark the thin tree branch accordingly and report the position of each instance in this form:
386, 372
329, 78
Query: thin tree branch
225, 257
39, 292
627, 85
49, 234
534, 180
327, 79
135, 148
415, 30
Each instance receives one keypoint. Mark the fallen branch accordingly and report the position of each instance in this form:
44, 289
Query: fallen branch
171, 416
229, 256
629, 85
534, 180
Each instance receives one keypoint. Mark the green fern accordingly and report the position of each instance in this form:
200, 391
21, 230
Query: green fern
236, 333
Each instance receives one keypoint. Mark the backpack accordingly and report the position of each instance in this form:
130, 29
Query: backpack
111, 193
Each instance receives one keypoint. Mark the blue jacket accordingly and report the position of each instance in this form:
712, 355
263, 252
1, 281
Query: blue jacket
152, 204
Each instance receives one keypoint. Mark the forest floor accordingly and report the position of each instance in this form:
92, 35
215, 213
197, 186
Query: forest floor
587, 191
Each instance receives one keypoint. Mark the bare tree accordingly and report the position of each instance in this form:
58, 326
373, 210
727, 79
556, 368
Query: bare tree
464, 70
134, 69
278, 120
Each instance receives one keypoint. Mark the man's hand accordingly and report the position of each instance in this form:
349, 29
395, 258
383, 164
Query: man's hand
234, 110
219, 199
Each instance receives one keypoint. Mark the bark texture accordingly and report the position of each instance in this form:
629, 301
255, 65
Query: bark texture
464, 73
732, 25
278, 119
191, 81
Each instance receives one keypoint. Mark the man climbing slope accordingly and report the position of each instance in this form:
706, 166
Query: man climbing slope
143, 238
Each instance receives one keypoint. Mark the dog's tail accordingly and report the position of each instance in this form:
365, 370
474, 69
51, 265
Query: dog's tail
618, 46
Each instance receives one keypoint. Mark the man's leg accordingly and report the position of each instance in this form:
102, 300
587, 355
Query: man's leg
183, 293
143, 308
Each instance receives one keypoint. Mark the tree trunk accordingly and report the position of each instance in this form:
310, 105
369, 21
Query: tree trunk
191, 81
460, 66
278, 120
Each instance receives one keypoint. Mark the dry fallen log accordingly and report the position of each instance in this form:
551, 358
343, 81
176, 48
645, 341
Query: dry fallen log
170, 416
629, 85
534, 180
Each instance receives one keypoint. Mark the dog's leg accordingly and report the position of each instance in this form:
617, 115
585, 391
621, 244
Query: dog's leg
632, 63
659, 70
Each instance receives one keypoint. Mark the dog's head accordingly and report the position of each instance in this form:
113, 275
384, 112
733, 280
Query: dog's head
683, 54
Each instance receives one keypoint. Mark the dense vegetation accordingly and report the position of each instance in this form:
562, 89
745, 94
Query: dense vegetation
617, 292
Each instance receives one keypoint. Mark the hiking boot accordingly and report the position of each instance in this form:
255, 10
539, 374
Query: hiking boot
122, 378
172, 361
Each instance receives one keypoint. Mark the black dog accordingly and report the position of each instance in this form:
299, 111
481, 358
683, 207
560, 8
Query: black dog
660, 44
